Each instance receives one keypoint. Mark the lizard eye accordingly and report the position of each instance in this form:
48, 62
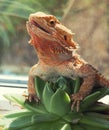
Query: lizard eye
52, 22
65, 37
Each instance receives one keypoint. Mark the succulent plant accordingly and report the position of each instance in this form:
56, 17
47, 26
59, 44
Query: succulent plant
54, 110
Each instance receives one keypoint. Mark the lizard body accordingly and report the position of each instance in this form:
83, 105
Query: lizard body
57, 55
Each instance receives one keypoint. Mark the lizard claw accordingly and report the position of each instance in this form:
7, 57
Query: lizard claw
77, 104
32, 97
76, 99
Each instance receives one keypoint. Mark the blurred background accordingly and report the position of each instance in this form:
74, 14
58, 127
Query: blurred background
88, 19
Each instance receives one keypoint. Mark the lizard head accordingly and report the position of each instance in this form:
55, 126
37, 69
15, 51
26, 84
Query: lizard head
47, 27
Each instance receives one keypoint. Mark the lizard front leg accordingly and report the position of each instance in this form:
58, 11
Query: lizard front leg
31, 90
88, 75
32, 96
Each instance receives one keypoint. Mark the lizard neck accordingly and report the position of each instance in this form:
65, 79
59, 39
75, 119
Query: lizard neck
50, 52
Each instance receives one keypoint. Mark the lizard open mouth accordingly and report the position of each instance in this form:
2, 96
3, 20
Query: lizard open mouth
39, 26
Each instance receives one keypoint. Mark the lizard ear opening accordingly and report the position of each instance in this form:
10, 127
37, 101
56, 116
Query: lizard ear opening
65, 37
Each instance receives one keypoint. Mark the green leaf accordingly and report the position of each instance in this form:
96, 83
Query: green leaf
78, 127
39, 126
77, 85
39, 86
63, 83
88, 127
72, 117
89, 100
47, 94
18, 114
37, 108
94, 122
33, 107
19, 122
99, 107
98, 115
66, 127
9, 97
104, 92
21, 100
60, 103
48, 117
60, 125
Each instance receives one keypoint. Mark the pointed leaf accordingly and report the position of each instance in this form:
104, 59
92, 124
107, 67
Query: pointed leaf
19, 99
72, 117
77, 85
104, 92
48, 117
46, 97
39, 126
19, 122
18, 114
60, 103
89, 100
99, 107
95, 122
78, 127
59, 125
39, 86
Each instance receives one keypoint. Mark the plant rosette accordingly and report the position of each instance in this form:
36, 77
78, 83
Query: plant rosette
53, 112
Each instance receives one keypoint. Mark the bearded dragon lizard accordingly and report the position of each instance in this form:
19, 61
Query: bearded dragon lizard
57, 55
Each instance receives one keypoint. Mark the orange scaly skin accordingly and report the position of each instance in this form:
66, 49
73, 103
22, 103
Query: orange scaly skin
56, 51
